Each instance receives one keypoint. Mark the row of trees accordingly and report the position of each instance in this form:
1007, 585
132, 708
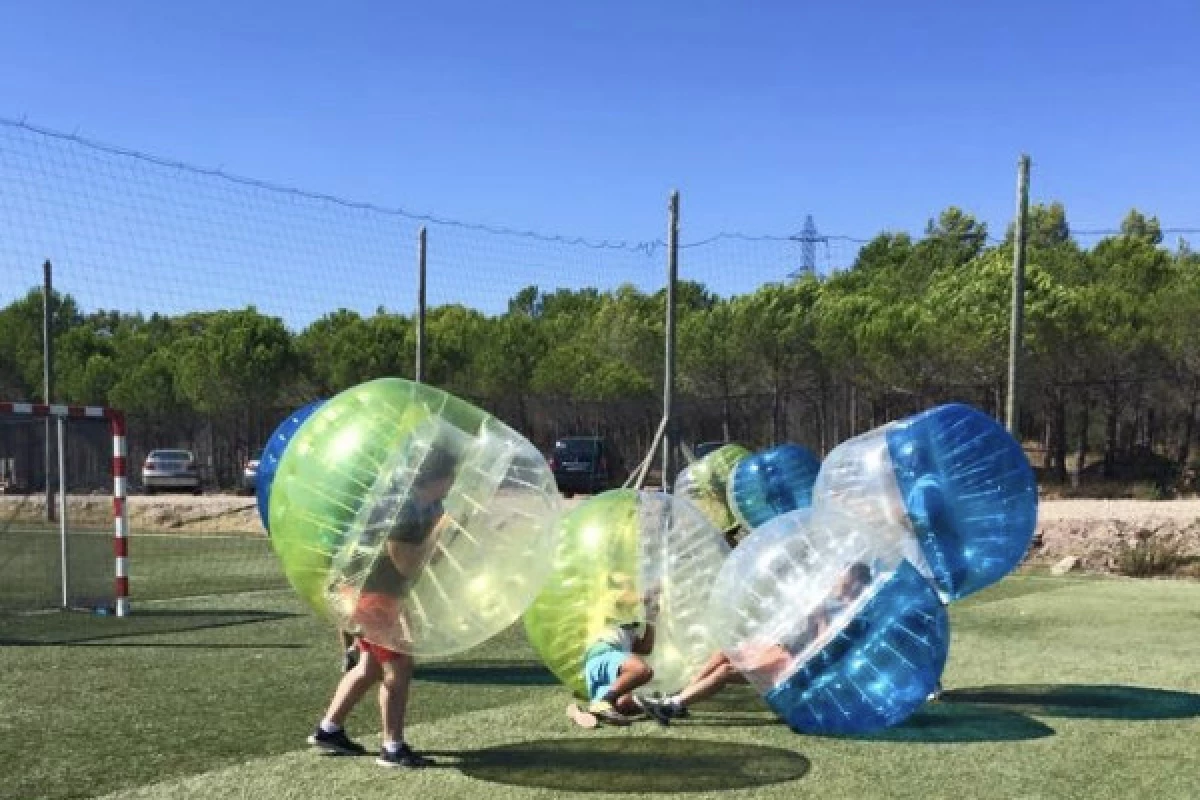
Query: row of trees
1112, 362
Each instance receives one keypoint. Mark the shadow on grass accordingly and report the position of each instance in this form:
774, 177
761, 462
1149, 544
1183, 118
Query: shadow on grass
628, 765
74, 628
497, 673
943, 723
1081, 701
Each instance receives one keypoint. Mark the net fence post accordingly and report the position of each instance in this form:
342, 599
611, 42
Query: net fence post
669, 436
61, 424
120, 512
419, 372
1016, 325
48, 377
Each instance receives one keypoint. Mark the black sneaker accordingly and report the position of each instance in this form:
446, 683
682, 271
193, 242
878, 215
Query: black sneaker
336, 744
350, 659
655, 709
403, 757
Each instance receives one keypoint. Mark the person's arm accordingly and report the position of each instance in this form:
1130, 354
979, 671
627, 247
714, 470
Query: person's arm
409, 551
644, 644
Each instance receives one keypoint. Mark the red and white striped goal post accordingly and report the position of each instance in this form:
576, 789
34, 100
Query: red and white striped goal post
116, 421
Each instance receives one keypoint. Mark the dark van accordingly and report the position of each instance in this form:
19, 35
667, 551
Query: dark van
585, 464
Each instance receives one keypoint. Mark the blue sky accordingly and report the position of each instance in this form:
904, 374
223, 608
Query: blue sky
577, 118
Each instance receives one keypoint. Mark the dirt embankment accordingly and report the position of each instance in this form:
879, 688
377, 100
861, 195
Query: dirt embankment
1093, 531
160, 514
1097, 531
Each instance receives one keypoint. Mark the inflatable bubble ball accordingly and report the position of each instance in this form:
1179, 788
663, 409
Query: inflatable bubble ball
954, 478
624, 558
268, 462
772, 482
831, 622
413, 518
705, 483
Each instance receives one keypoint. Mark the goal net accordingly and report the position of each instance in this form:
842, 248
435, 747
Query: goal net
74, 555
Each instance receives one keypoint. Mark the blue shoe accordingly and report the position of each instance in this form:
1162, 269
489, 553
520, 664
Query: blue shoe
336, 744
404, 756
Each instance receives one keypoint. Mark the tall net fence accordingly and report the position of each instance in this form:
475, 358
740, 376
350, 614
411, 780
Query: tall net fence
209, 307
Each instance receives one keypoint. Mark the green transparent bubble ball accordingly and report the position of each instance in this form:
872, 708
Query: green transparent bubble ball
345, 487
704, 483
613, 552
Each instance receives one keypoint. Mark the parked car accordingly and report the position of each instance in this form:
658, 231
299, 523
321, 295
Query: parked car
250, 473
585, 465
171, 470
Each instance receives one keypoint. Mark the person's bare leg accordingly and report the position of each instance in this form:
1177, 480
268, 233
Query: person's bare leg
393, 697
714, 663
708, 686
633, 674
350, 690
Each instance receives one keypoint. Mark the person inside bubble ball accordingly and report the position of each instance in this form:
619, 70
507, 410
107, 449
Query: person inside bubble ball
378, 611
771, 663
613, 666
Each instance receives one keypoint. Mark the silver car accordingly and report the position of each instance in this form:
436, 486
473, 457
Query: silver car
170, 469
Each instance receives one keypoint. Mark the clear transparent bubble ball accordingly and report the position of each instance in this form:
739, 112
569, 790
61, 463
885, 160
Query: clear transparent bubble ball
413, 518
954, 479
622, 557
828, 618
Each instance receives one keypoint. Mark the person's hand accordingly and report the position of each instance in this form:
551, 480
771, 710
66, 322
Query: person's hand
653, 604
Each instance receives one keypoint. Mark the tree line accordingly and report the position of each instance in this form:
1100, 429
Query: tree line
1111, 369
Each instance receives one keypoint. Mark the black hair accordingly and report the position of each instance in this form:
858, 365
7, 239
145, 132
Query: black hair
860, 573
437, 465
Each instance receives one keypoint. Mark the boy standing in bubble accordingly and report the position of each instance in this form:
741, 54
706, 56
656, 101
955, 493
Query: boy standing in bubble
378, 611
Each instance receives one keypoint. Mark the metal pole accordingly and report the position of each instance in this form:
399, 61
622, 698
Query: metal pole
62, 512
48, 378
420, 370
1016, 327
669, 437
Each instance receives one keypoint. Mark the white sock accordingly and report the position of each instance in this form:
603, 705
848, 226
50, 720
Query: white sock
675, 701
392, 747
329, 727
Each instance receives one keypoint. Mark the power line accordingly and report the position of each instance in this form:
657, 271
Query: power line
808, 237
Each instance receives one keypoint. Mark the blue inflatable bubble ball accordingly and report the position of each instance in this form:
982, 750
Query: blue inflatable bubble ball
772, 482
831, 621
269, 460
955, 478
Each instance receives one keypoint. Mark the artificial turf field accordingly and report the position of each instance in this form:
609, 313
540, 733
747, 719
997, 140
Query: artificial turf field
1057, 687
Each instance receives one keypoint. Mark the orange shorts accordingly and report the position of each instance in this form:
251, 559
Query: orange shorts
376, 651
376, 615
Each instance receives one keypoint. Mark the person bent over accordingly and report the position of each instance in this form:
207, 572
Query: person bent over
613, 665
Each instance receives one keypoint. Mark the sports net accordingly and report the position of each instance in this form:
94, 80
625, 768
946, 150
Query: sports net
31, 565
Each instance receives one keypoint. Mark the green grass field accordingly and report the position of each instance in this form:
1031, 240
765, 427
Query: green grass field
1058, 687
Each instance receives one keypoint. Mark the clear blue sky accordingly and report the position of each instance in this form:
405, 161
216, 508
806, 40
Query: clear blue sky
577, 118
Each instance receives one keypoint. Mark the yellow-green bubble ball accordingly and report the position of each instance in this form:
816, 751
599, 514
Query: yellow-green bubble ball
619, 554
413, 518
704, 482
